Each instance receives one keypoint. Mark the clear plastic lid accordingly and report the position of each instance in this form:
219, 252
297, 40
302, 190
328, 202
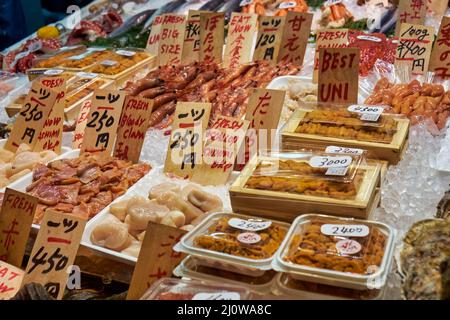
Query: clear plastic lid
342, 249
351, 122
289, 286
54, 59
183, 289
193, 267
238, 239
119, 61
85, 59
83, 91
308, 172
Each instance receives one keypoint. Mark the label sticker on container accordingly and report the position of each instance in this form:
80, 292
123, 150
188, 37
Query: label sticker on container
348, 246
249, 238
336, 171
217, 296
346, 230
96, 49
369, 38
336, 149
125, 53
287, 5
249, 225
368, 113
109, 63
88, 75
245, 3
330, 162
53, 72
329, 3
78, 57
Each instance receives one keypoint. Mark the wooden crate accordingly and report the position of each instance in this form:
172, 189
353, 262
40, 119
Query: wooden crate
287, 206
391, 152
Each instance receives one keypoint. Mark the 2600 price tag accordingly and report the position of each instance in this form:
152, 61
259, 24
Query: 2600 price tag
249, 225
330, 162
346, 230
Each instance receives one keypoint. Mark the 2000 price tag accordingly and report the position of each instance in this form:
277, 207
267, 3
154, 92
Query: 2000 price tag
249, 225
346, 230
330, 162
217, 296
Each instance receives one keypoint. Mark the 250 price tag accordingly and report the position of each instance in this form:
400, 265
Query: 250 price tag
346, 230
330, 162
249, 225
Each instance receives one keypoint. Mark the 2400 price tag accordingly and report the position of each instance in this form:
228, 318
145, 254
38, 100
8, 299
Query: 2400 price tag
345, 230
330, 162
249, 225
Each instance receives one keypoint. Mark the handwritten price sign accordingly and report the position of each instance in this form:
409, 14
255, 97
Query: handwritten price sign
270, 32
414, 48
440, 56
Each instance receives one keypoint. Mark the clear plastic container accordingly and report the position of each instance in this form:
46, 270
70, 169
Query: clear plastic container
289, 287
119, 61
335, 251
194, 268
184, 289
344, 122
246, 242
309, 172
54, 59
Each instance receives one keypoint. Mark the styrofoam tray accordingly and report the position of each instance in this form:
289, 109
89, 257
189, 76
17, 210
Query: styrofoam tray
64, 152
142, 188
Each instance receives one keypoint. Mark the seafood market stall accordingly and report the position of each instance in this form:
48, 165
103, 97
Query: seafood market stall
230, 150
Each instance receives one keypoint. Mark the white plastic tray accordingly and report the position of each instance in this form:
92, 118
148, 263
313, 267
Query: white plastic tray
142, 188
64, 152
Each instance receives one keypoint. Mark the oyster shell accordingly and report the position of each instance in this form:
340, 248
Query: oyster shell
426, 247
443, 208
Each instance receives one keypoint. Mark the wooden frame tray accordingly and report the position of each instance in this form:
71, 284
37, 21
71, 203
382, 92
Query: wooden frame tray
391, 152
287, 206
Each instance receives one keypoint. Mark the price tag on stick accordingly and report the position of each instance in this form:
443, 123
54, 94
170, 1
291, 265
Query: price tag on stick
102, 121
211, 36
414, 48
171, 39
268, 41
10, 280
50, 138
16, 217
31, 119
184, 153
338, 75
132, 128
295, 37
80, 123
191, 43
156, 259
54, 251
241, 30
328, 38
410, 11
222, 143
440, 56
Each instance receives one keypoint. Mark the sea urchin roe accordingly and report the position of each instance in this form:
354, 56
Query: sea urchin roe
304, 180
121, 63
347, 125
314, 249
223, 238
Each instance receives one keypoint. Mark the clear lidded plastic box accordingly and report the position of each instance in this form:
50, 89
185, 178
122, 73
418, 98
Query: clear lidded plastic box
183, 289
311, 173
367, 123
246, 242
119, 61
336, 251
194, 268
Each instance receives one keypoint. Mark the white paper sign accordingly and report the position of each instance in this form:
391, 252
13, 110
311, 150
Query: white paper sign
125, 53
369, 38
53, 72
249, 225
330, 162
217, 296
346, 230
